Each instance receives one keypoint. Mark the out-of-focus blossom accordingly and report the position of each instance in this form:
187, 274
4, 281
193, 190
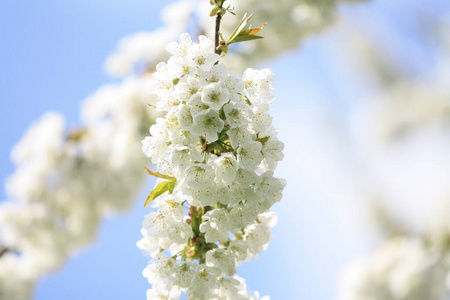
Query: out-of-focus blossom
143, 49
290, 22
67, 182
406, 269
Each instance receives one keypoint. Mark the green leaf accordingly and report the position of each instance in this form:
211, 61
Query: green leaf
159, 175
240, 27
161, 188
244, 38
241, 35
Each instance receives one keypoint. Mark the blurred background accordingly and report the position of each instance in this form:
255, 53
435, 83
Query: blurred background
363, 107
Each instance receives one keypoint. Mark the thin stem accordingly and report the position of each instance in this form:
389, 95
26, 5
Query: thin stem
216, 38
3, 251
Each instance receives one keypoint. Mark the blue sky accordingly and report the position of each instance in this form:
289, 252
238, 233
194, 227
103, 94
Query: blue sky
51, 58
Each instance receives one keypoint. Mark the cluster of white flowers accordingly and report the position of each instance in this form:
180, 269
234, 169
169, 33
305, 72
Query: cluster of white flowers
66, 182
402, 269
217, 149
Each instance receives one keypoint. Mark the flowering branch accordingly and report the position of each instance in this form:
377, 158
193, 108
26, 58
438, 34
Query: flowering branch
215, 151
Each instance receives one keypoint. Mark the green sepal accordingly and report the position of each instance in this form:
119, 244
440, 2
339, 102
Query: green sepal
223, 50
239, 27
217, 10
218, 3
76, 135
161, 188
264, 139
228, 9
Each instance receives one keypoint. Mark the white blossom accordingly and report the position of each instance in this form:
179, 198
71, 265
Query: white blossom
239, 248
180, 49
257, 237
226, 166
217, 73
249, 155
201, 55
207, 123
273, 151
215, 96
185, 90
271, 187
401, 269
184, 274
240, 135
240, 216
216, 226
202, 284
180, 232
199, 176
222, 259
238, 114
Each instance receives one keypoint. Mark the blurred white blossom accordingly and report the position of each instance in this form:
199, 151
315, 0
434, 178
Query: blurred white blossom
66, 182
402, 268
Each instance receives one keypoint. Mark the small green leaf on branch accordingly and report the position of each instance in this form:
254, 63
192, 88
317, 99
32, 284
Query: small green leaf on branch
218, 8
244, 38
159, 175
217, 11
161, 188
240, 34
240, 26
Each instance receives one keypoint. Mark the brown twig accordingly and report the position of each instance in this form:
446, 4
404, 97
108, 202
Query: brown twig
3, 251
216, 37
